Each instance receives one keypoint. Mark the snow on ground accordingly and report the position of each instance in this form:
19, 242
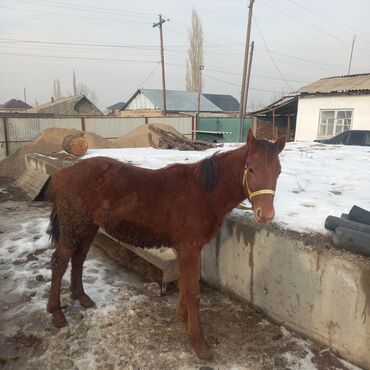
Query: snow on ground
316, 180
131, 328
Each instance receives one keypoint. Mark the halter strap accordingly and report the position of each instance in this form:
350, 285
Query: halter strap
257, 192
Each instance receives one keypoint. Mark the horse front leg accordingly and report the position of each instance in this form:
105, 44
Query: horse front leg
188, 307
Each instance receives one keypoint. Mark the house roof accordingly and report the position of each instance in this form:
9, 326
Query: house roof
15, 104
225, 102
118, 105
338, 84
284, 105
65, 106
178, 101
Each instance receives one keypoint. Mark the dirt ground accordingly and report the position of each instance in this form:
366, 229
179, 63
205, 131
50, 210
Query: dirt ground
131, 327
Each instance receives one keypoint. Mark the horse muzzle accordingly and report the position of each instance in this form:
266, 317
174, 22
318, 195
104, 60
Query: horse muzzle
264, 215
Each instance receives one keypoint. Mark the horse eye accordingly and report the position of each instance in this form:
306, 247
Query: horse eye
251, 170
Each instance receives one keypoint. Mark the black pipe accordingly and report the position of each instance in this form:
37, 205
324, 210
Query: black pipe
332, 222
352, 240
359, 214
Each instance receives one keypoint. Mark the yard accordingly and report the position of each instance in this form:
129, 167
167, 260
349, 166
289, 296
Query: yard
135, 328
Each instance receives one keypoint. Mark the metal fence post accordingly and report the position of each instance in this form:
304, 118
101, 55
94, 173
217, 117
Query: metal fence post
6, 138
83, 127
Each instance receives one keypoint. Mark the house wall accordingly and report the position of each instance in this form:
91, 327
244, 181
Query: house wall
309, 113
141, 102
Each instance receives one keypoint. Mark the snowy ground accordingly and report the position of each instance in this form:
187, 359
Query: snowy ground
132, 327
316, 180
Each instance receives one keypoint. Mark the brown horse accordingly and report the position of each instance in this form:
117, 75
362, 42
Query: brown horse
181, 206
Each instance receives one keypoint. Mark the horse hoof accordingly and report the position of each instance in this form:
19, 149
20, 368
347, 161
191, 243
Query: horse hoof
204, 354
59, 320
86, 301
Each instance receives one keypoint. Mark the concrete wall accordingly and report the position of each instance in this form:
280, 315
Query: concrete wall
308, 114
297, 280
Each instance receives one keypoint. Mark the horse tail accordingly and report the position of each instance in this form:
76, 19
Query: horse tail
53, 229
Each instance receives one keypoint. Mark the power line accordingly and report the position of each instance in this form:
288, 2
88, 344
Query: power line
272, 59
333, 22
64, 57
238, 85
302, 20
73, 15
93, 9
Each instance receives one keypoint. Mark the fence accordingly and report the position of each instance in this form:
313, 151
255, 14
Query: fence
16, 130
222, 129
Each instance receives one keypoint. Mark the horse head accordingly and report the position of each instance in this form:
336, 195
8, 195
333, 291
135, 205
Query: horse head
262, 169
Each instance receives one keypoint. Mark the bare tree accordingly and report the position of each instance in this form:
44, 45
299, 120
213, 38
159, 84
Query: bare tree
195, 54
83, 89
57, 90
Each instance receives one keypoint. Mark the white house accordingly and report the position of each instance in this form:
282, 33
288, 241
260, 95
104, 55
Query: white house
332, 105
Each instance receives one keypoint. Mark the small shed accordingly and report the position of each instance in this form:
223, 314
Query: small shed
277, 119
114, 109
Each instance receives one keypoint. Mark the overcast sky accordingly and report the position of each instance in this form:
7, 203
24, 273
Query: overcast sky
296, 42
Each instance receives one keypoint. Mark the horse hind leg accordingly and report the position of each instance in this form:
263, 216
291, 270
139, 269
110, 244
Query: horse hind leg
59, 263
78, 258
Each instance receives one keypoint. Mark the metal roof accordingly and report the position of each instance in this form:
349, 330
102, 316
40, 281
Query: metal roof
225, 102
15, 104
118, 105
338, 84
284, 104
180, 101
65, 105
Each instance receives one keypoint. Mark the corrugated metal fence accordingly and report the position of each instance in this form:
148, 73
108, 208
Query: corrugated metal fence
15, 131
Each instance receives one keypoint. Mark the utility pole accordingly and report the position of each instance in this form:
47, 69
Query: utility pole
201, 67
350, 58
159, 24
248, 79
246, 57
25, 99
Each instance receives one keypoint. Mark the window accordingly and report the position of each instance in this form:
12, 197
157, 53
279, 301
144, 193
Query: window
333, 122
356, 138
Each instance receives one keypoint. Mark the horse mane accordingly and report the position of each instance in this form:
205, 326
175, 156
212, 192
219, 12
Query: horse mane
208, 172
266, 151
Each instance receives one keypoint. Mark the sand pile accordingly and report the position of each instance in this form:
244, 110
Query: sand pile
49, 141
138, 138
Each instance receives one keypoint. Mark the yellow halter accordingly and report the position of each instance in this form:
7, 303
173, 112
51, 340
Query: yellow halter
257, 192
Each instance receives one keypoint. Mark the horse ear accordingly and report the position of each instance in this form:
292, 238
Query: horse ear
251, 141
280, 143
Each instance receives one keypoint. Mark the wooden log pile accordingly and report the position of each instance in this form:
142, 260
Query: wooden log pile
170, 140
75, 144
